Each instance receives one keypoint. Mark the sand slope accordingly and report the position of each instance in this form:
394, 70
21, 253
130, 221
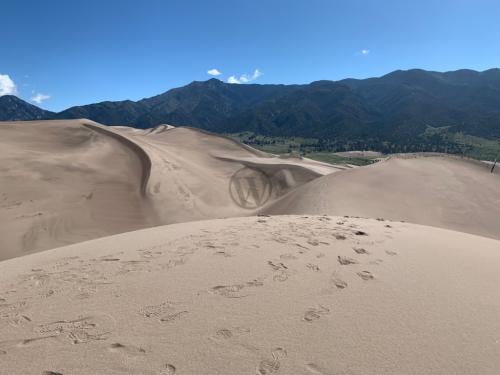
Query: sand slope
440, 191
63, 182
191, 172
257, 295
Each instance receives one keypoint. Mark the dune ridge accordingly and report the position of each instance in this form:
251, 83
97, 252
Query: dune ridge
430, 189
142, 155
201, 164
66, 181
62, 183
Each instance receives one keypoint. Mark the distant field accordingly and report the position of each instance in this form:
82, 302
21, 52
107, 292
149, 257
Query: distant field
307, 147
476, 147
433, 140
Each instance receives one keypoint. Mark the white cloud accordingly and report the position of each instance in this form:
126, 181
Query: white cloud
39, 98
7, 85
245, 78
365, 51
256, 74
233, 79
214, 72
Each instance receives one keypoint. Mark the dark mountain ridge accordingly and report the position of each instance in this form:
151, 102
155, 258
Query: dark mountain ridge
13, 109
395, 107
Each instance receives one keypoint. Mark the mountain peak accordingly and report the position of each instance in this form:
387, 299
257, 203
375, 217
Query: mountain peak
212, 82
13, 108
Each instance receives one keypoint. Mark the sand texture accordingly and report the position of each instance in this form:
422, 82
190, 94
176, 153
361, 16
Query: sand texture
257, 295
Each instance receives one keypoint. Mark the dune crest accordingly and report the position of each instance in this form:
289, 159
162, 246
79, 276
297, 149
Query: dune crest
442, 191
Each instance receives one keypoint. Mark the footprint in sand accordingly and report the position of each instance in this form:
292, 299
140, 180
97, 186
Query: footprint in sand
281, 276
279, 353
277, 266
129, 350
19, 320
172, 317
281, 270
360, 250
168, 369
312, 267
271, 366
155, 311
268, 366
315, 313
346, 260
236, 290
337, 282
223, 334
315, 369
229, 291
313, 242
82, 330
366, 275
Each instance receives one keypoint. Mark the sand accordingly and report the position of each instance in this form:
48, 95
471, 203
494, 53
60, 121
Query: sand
442, 191
64, 182
257, 295
222, 291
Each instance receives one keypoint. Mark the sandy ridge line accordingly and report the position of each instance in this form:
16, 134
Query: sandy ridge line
136, 148
245, 146
417, 155
266, 166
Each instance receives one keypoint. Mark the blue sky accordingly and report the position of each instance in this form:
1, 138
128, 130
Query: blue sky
64, 53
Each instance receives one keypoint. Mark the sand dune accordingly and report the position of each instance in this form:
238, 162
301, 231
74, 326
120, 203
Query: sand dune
257, 295
191, 172
242, 295
440, 191
68, 181
63, 183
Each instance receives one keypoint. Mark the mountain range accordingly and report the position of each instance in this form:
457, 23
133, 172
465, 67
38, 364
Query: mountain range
395, 107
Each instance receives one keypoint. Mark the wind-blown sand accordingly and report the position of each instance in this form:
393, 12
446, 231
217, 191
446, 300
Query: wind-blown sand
440, 191
64, 182
257, 295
